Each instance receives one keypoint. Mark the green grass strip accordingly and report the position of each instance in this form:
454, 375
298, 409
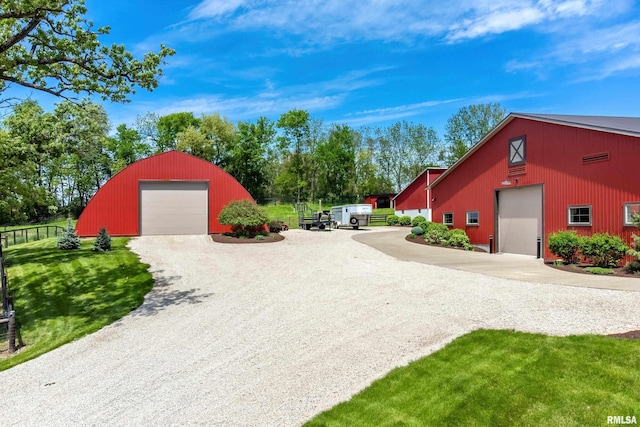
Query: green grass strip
503, 378
60, 296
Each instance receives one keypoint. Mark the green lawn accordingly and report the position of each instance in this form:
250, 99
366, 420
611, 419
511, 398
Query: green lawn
503, 378
60, 296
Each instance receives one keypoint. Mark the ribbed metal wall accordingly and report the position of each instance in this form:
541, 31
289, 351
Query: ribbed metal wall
415, 195
554, 158
116, 205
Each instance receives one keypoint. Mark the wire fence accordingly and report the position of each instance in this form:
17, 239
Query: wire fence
28, 234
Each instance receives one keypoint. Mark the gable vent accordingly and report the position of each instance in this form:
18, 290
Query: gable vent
517, 171
592, 158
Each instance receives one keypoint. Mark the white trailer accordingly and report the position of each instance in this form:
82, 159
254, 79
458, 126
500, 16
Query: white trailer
351, 215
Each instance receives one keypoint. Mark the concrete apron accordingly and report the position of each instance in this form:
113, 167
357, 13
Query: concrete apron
391, 241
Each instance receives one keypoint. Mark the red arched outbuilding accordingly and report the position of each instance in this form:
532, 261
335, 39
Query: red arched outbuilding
169, 193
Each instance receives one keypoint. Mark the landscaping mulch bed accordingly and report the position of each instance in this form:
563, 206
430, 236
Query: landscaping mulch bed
223, 238
581, 268
421, 241
631, 335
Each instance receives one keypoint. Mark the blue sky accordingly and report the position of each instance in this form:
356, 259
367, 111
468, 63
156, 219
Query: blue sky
374, 62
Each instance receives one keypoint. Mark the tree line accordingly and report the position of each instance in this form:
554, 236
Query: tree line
53, 162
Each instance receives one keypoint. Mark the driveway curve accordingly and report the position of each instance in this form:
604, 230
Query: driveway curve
271, 334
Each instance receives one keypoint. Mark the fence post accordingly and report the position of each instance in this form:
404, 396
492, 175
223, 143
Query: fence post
5, 301
12, 332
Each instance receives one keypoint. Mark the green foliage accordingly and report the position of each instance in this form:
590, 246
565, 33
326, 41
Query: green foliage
68, 239
403, 150
259, 237
336, 156
417, 220
633, 266
499, 379
61, 296
436, 232
125, 148
404, 220
50, 46
211, 140
603, 249
599, 270
168, 127
565, 244
244, 217
634, 251
103, 241
417, 230
411, 236
458, 239
295, 142
248, 160
467, 127
393, 220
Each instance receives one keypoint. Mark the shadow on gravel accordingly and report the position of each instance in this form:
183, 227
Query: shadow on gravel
162, 296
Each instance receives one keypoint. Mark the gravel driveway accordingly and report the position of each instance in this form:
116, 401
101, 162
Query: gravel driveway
271, 334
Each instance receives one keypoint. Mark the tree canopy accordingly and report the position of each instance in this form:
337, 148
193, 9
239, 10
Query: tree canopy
467, 127
49, 46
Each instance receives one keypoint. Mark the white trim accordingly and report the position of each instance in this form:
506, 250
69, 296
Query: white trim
473, 224
579, 224
447, 213
628, 211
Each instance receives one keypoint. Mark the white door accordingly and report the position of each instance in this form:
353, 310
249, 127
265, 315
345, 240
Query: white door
519, 219
174, 207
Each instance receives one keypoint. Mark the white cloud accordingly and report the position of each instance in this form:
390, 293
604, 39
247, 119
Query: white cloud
216, 8
327, 21
600, 52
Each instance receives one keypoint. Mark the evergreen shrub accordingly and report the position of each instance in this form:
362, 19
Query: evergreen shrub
417, 230
103, 241
68, 240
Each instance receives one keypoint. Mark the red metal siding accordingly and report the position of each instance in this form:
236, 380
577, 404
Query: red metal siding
554, 159
415, 195
116, 205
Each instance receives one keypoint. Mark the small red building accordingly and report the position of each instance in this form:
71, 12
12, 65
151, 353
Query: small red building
169, 193
536, 174
415, 198
379, 201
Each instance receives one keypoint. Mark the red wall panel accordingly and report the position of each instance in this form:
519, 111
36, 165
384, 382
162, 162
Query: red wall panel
555, 160
116, 205
415, 195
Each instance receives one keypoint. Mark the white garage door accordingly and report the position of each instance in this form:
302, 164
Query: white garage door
174, 207
519, 220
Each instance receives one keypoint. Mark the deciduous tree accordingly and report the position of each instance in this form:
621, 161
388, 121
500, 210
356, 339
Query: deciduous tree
467, 127
50, 46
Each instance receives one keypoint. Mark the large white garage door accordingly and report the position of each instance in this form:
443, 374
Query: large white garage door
174, 207
519, 220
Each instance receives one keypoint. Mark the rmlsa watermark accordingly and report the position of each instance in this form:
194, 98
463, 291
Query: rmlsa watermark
621, 419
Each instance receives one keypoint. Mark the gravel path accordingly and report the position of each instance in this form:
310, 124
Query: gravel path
271, 334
